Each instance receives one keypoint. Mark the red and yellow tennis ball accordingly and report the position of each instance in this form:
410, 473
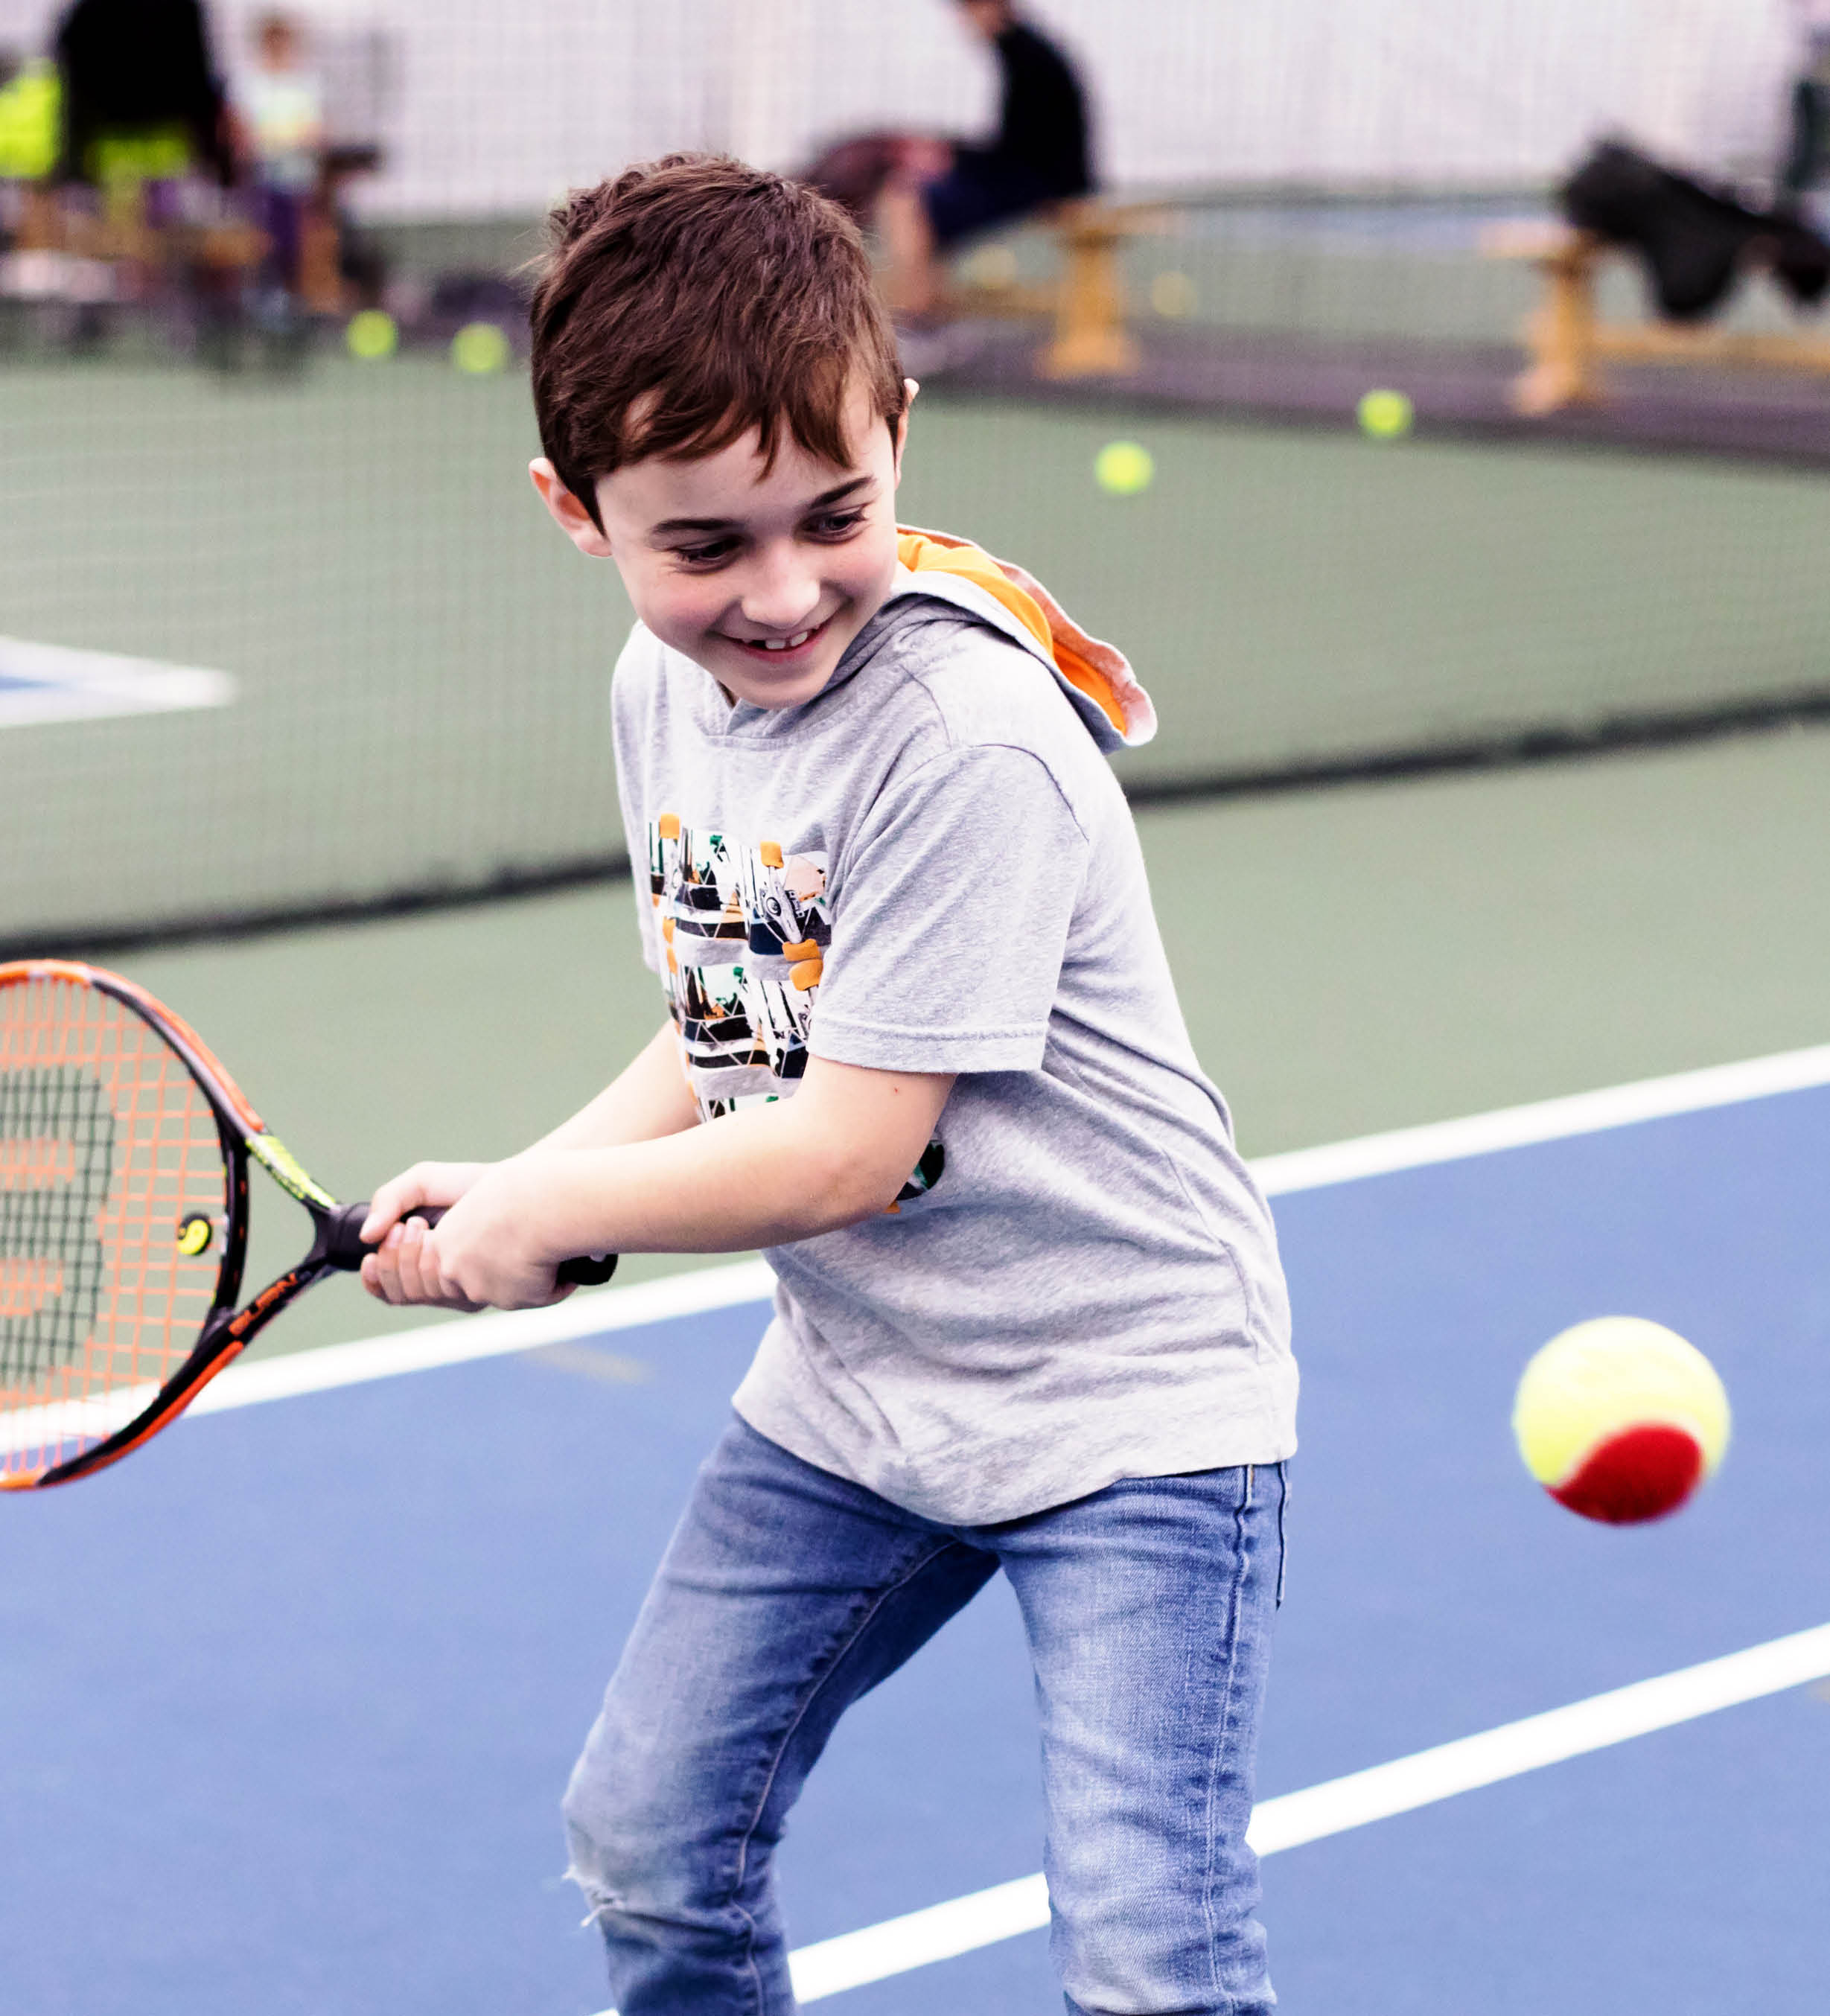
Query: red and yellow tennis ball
1620, 1419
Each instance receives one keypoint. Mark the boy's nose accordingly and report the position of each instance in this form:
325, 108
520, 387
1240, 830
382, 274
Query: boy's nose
780, 595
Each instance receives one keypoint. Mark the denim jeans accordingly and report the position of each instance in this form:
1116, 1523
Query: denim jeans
787, 1594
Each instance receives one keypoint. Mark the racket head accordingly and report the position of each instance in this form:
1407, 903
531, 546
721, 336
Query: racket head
123, 1215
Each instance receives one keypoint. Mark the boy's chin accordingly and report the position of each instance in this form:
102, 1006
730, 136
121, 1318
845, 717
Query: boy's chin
747, 677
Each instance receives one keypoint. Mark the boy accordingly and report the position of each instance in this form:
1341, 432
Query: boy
1029, 1313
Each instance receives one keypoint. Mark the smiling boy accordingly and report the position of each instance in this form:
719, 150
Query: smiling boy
923, 1047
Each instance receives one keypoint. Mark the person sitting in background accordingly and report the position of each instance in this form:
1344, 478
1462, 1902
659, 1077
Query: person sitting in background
1802, 167
138, 78
279, 111
927, 195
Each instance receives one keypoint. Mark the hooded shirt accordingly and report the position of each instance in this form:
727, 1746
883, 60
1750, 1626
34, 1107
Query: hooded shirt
930, 866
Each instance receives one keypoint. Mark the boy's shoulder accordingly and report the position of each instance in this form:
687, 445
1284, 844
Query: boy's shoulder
1093, 677
980, 682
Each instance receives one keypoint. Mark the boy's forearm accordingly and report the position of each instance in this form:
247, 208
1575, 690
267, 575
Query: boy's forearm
647, 1099
763, 1178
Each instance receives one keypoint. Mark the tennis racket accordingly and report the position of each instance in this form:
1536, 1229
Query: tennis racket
124, 1148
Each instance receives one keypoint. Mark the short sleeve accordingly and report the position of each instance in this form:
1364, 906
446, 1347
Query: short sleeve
631, 733
951, 910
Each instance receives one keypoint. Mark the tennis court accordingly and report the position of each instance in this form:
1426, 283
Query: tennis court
1485, 828
299, 1745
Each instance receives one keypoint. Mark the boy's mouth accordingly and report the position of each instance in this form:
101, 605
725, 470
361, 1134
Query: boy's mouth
782, 650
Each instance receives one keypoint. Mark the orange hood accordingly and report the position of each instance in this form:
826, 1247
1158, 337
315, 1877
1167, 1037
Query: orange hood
1097, 672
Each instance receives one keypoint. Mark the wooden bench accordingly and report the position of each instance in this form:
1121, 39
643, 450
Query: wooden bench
1567, 341
1087, 300
121, 236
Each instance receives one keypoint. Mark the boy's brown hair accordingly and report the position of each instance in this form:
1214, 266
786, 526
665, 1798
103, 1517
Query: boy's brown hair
686, 302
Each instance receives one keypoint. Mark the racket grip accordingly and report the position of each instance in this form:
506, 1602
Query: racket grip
344, 1246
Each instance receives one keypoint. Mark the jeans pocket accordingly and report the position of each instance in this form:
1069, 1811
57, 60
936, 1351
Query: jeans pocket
1283, 1546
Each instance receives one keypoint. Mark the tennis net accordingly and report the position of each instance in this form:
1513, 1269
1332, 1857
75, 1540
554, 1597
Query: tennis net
283, 633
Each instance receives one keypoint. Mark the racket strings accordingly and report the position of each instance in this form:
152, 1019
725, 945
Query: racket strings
107, 1147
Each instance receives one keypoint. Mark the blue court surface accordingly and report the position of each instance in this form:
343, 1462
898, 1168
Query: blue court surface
287, 1701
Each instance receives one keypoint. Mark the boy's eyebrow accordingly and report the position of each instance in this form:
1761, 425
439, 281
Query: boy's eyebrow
837, 495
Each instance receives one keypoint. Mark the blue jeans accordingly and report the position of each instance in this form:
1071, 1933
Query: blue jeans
787, 1594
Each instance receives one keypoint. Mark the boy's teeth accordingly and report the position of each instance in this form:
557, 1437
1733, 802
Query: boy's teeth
787, 643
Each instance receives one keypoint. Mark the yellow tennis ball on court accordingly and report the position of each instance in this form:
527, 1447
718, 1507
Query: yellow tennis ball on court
1620, 1419
479, 348
371, 335
1124, 468
1385, 415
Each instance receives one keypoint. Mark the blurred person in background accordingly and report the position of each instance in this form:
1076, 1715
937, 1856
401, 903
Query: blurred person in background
138, 77
280, 130
927, 195
1803, 165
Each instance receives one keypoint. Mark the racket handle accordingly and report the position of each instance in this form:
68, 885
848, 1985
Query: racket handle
344, 1246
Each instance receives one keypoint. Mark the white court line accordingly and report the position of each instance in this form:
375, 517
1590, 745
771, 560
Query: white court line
41, 683
591, 1313
1545, 1120
986, 1917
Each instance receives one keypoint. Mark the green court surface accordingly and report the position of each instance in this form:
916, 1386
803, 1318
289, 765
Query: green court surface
1349, 960
421, 661
422, 666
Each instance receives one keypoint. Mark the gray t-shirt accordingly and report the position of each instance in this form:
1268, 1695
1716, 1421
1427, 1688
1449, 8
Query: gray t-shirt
931, 867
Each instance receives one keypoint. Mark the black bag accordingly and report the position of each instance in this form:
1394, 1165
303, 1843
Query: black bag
1695, 240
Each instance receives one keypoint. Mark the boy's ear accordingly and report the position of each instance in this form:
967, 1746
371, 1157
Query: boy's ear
568, 513
910, 387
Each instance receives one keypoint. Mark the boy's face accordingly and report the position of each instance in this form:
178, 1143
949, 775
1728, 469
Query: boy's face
762, 576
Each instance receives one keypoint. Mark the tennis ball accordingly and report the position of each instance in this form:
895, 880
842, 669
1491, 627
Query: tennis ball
1620, 1419
1123, 468
1385, 415
371, 335
478, 349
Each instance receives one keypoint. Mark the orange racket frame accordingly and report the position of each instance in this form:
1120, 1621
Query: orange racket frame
225, 1330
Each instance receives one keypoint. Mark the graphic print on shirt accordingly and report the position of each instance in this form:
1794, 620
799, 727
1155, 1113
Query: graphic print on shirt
745, 929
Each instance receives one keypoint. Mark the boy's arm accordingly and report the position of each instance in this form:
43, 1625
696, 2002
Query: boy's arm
835, 1153
648, 1098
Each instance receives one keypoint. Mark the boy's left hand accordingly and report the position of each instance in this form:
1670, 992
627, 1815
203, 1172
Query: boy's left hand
486, 1252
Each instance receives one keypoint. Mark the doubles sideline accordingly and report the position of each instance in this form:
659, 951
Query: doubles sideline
985, 1917
593, 1312
596, 1312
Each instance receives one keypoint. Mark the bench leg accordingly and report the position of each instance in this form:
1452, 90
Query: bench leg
1561, 338
1090, 338
40, 224
320, 282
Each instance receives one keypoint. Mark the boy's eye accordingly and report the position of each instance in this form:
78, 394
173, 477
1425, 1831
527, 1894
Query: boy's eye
835, 525
708, 555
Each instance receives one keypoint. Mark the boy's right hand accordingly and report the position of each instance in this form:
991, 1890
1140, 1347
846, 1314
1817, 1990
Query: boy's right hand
393, 1273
